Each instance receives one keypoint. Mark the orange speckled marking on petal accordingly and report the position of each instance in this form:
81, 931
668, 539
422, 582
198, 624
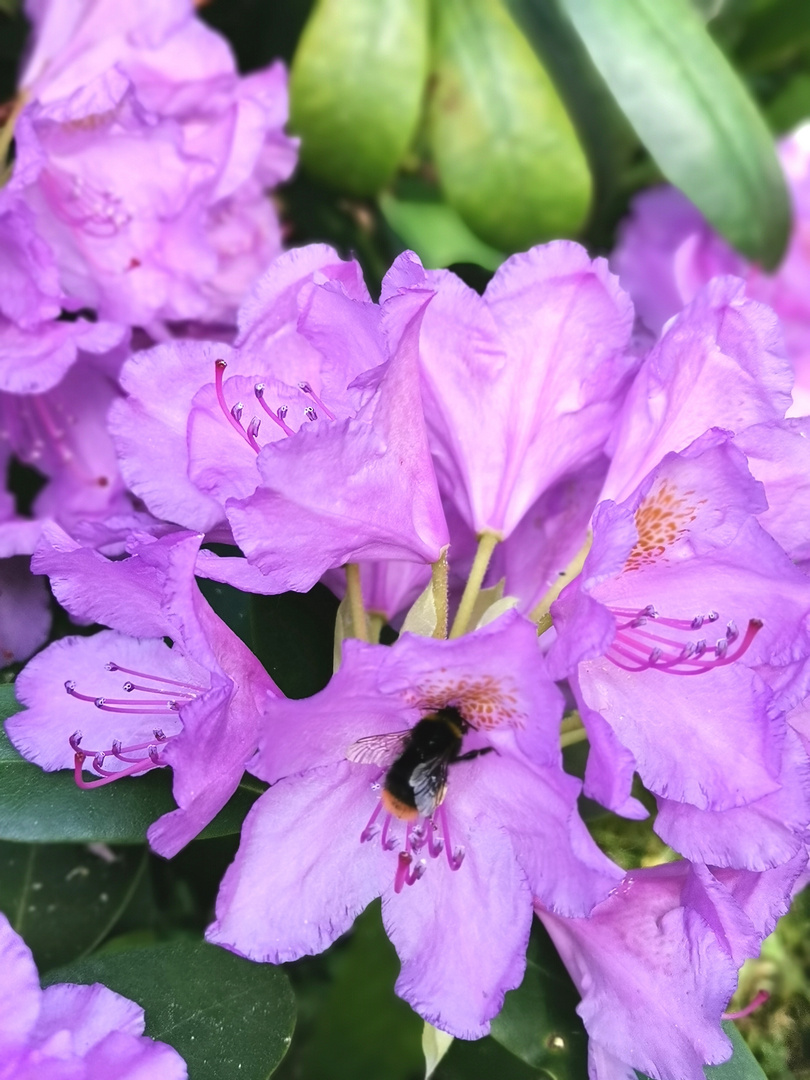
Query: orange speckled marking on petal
662, 519
485, 702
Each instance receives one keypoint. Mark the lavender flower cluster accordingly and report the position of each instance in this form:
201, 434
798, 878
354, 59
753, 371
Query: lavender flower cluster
583, 506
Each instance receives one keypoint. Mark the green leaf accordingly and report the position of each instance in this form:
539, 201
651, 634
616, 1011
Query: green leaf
437, 233
774, 35
64, 899
742, 1065
506, 153
293, 637
36, 806
356, 89
361, 1028
227, 1016
538, 1022
606, 136
485, 1058
692, 113
791, 105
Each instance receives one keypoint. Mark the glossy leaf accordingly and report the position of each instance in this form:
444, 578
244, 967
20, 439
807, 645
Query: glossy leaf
356, 89
227, 1016
293, 636
692, 113
742, 1065
506, 153
606, 136
64, 899
483, 1059
538, 1022
361, 1028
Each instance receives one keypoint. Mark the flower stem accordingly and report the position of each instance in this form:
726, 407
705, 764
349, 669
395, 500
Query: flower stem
438, 578
7, 134
486, 545
354, 591
540, 613
568, 738
376, 621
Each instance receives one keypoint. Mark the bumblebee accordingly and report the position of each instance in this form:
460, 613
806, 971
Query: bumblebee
417, 761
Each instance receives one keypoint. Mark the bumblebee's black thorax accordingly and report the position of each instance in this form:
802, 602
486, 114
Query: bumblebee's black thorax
436, 737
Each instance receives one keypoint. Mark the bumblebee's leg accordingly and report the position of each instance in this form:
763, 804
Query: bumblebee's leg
474, 754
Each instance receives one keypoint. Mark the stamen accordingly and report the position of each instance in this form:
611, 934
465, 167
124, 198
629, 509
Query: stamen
111, 704
435, 843
230, 414
277, 418
370, 831
252, 432
630, 651
112, 666
759, 999
120, 753
388, 844
307, 389
454, 858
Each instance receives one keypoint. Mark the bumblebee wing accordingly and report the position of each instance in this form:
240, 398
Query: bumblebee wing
379, 750
429, 783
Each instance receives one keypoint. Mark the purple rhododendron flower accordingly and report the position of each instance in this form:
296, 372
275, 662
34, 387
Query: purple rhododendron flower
125, 701
25, 615
719, 363
145, 158
687, 639
507, 830
656, 964
778, 454
70, 1032
667, 251
36, 350
333, 465
520, 385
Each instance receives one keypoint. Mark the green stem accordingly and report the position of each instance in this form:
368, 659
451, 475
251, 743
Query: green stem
540, 613
438, 577
354, 591
568, 738
376, 621
486, 545
7, 134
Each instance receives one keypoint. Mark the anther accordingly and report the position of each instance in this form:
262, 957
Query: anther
70, 686
305, 388
310, 413
276, 417
252, 432
236, 412
74, 741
